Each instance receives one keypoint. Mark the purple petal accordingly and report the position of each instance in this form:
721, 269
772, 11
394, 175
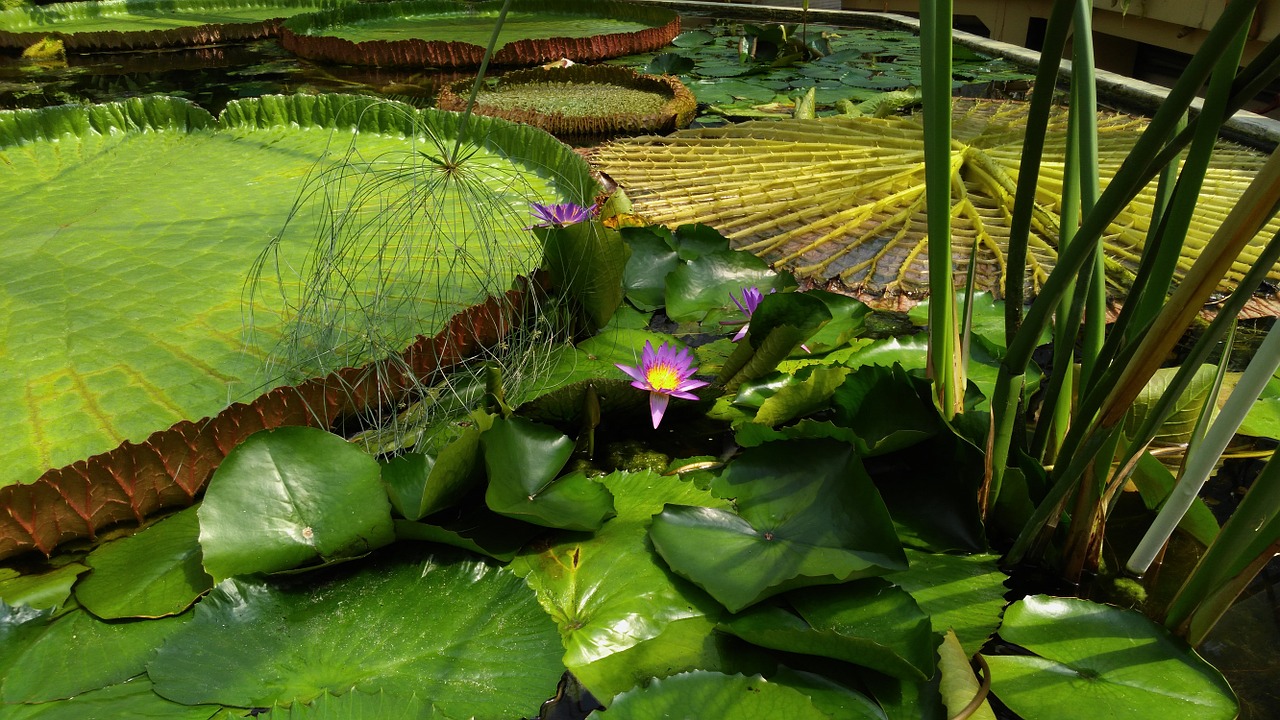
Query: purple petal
657, 406
690, 384
635, 372
741, 333
649, 357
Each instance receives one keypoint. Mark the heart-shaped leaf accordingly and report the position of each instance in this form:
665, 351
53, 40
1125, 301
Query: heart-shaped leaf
703, 694
869, 623
522, 460
466, 634
152, 573
705, 283
289, 497
1097, 656
798, 524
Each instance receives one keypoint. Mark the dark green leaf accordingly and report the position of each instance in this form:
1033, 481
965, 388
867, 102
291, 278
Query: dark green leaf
77, 653
153, 573
356, 705
290, 497
712, 695
645, 279
419, 484
464, 633
668, 64
798, 524
522, 460
885, 409
692, 38
133, 699
869, 623
586, 262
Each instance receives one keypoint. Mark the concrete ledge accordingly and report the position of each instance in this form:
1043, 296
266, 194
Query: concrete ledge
1122, 93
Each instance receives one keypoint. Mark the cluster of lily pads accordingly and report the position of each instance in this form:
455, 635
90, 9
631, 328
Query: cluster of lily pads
762, 71
638, 531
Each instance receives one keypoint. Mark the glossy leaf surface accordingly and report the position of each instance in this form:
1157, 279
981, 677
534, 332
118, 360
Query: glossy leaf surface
868, 623
153, 573
1091, 655
797, 524
469, 635
710, 694
37, 666
522, 460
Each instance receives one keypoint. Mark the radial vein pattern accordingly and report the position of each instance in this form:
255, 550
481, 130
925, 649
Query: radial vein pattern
843, 198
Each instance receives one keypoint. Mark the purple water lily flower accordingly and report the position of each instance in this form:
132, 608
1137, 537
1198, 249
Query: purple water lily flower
665, 373
559, 214
751, 298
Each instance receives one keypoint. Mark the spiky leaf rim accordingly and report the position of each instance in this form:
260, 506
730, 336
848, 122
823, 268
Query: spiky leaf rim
303, 35
24, 26
676, 112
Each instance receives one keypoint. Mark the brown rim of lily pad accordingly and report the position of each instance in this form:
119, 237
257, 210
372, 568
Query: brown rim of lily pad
553, 84
304, 35
33, 24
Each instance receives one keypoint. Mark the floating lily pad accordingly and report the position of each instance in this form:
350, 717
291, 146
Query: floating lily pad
710, 694
155, 264
581, 101
292, 497
466, 634
820, 522
153, 573
442, 34
1097, 656
141, 24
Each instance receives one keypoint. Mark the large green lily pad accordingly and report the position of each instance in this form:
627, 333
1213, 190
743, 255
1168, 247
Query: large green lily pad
120, 24
444, 34
464, 633
131, 229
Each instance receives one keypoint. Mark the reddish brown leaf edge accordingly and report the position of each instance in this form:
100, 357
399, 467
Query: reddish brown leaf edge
171, 467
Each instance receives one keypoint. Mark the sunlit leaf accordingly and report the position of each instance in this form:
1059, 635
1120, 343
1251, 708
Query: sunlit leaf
1092, 655
844, 197
964, 593
154, 573
466, 634
290, 497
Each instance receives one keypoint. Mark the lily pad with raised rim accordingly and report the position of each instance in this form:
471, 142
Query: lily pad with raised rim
439, 33
140, 24
132, 228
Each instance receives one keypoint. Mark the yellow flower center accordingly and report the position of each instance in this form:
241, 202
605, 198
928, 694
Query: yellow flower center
662, 377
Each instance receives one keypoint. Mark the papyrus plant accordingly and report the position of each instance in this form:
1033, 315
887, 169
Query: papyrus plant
1078, 435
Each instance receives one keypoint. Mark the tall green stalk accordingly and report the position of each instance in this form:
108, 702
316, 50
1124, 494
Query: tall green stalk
946, 366
1130, 178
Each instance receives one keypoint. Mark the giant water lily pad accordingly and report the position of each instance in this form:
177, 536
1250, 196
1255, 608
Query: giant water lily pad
1097, 656
466, 634
132, 228
140, 24
443, 34
844, 197
581, 101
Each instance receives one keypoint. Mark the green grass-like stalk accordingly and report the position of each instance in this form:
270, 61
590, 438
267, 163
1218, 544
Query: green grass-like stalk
946, 365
